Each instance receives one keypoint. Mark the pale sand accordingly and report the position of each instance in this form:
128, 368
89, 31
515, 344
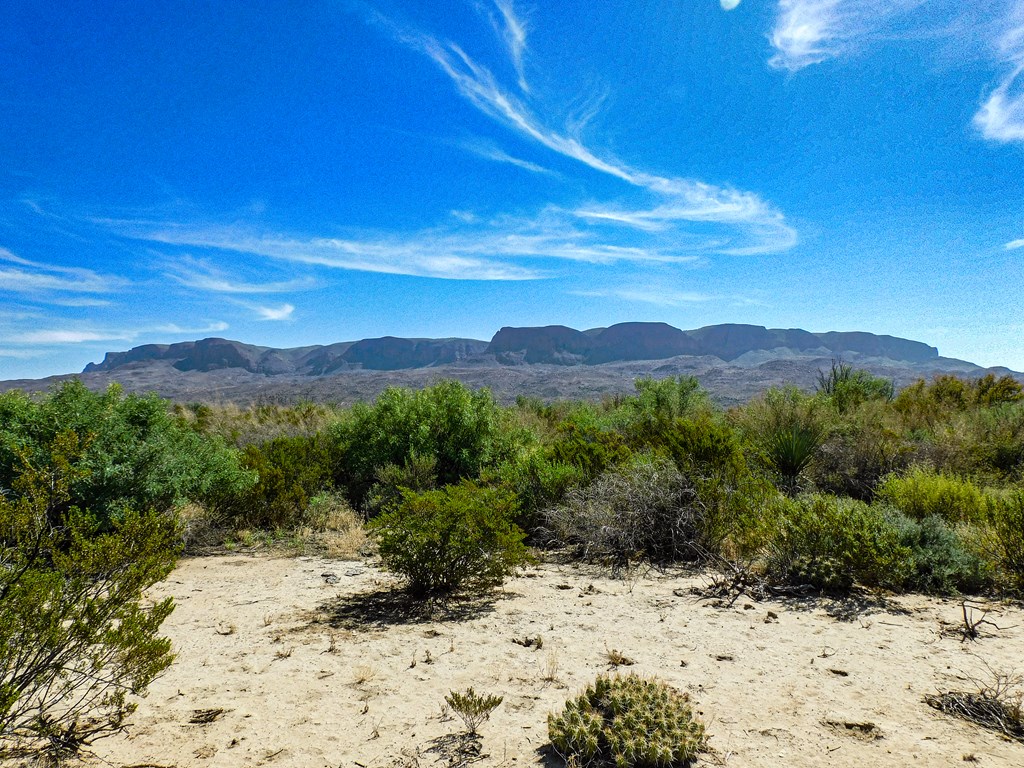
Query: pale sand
253, 637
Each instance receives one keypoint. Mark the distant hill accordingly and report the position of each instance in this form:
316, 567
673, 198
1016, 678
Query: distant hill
734, 362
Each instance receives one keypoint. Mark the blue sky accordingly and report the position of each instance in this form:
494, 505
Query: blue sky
289, 174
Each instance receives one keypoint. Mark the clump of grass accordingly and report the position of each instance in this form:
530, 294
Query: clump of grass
617, 658
472, 707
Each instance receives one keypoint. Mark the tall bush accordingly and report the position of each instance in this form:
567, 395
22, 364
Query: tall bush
135, 454
461, 430
76, 636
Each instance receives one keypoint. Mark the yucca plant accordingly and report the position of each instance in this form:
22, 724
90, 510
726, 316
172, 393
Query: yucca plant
789, 450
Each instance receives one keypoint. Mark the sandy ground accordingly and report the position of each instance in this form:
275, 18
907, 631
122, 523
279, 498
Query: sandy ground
313, 663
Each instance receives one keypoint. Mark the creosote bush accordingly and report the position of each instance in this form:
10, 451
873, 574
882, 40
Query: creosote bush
628, 722
76, 636
1007, 547
921, 493
134, 452
454, 538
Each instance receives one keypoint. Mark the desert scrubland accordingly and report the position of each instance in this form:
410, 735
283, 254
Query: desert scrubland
814, 577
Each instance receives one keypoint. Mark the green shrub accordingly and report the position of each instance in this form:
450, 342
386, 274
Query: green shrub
461, 430
847, 387
457, 537
921, 494
859, 451
588, 446
990, 442
538, 481
135, 455
1007, 522
419, 473
659, 401
785, 429
942, 564
76, 634
628, 722
831, 543
644, 509
290, 471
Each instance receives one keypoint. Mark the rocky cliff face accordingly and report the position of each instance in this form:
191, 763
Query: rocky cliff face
551, 345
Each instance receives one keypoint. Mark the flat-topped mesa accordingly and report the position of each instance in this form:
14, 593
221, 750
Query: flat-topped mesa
390, 353
870, 345
554, 344
641, 341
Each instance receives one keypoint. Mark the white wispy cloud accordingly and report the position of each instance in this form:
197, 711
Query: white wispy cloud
59, 336
1014, 244
80, 302
216, 326
283, 312
690, 200
1001, 115
20, 275
489, 151
658, 218
513, 30
671, 297
451, 256
808, 32
68, 336
664, 298
20, 353
199, 274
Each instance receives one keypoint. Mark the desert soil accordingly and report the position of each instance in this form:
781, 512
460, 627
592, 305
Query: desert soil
312, 662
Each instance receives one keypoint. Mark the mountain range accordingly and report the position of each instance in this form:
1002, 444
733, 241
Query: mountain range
733, 362
548, 345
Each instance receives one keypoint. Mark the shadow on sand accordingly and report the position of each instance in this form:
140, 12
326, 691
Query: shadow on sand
385, 607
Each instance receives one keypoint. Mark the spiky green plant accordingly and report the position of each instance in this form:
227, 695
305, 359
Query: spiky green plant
790, 450
628, 722
472, 707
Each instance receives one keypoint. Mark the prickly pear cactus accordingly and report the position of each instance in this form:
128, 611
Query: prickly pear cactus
628, 722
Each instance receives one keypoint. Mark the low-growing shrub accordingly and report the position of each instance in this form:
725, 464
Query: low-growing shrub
644, 509
472, 708
457, 537
921, 493
831, 543
942, 563
628, 722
